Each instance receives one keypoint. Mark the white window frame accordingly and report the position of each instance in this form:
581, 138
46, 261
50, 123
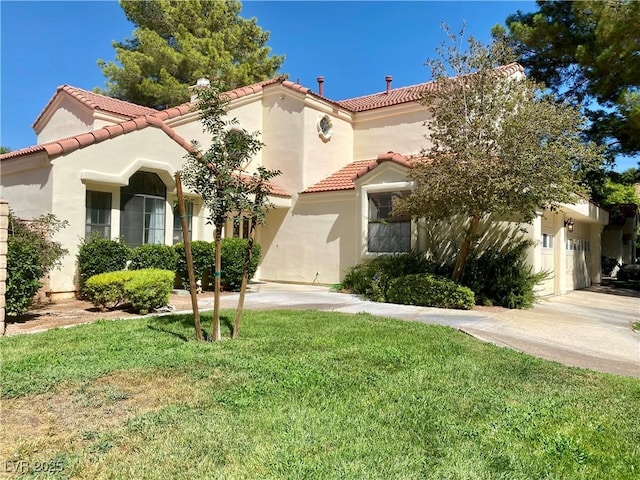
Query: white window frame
365, 190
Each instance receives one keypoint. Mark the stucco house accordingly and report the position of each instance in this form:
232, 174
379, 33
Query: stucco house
108, 166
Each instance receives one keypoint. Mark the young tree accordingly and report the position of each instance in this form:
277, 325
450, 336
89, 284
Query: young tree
175, 43
255, 204
586, 51
500, 147
217, 174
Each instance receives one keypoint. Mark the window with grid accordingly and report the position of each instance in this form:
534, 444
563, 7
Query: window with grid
387, 233
98, 214
177, 224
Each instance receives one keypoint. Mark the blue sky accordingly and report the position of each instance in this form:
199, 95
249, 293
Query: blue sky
354, 45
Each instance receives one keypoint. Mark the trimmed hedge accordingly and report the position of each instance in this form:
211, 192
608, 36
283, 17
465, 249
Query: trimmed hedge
204, 258
144, 289
233, 254
148, 289
430, 291
100, 255
106, 290
163, 257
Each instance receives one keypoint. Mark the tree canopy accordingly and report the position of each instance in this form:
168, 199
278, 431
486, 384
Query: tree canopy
587, 52
499, 145
177, 42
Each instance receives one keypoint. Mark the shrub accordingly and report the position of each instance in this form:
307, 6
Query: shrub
100, 255
144, 289
233, 255
106, 290
608, 265
31, 254
148, 289
204, 259
629, 272
430, 291
163, 257
372, 279
502, 276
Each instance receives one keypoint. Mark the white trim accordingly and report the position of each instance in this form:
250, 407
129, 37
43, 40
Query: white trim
364, 191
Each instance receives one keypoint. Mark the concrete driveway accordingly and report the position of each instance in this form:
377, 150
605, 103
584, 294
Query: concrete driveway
585, 328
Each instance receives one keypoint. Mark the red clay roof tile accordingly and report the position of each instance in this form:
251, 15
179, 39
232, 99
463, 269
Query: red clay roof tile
95, 101
344, 179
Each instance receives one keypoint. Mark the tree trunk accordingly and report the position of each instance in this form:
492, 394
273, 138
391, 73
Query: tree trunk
245, 280
187, 251
215, 336
465, 248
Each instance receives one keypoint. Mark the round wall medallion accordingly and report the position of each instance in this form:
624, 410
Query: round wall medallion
325, 127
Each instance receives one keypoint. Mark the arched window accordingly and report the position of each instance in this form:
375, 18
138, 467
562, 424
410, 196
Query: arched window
142, 209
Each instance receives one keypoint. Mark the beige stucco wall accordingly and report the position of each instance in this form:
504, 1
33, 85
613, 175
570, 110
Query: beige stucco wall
399, 129
67, 119
314, 242
28, 191
283, 122
324, 157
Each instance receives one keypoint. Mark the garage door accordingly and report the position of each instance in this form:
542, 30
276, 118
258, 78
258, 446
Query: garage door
546, 288
578, 261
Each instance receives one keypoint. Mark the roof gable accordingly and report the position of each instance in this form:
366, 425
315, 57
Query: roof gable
96, 102
345, 178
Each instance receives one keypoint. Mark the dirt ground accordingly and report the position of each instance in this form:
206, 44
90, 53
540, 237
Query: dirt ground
63, 313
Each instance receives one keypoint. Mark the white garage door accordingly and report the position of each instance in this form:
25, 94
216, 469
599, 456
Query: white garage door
578, 261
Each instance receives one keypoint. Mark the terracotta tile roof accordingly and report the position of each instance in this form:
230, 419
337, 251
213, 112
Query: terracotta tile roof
95, 101
70, 144
413, 93
344, 179
395, 96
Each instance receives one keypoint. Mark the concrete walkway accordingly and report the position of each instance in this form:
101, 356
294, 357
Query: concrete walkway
586, 328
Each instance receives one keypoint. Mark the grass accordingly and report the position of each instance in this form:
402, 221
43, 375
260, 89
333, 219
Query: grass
636, 326
307, 395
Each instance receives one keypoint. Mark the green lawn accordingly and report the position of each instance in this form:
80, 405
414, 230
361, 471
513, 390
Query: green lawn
306, 395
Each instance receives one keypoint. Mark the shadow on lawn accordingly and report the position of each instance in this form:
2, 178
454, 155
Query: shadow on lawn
182, 326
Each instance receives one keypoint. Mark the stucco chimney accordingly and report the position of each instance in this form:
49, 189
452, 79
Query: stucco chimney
321, 86
388, 78
200, 83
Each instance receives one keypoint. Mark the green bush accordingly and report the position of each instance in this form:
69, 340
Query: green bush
502, 276
233, 252
204, 258
149, 288
100, 255
163, 257
608, 264
31, 254
106, 290
23, 277
430, 291
629, 272
372, 279
144, 289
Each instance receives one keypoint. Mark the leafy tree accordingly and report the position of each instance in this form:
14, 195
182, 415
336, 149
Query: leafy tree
4, 150
499, 146
177, 42
586, 51
217, 176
